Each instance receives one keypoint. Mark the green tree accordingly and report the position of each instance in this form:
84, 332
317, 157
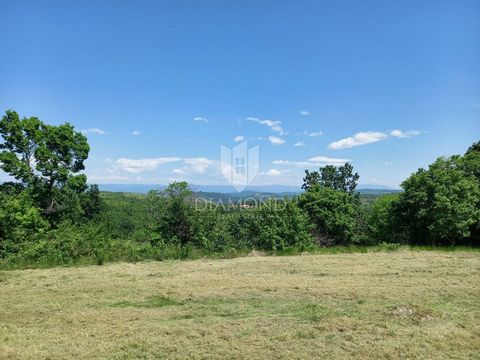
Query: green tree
333, 212
332, 204
21, 138
471, 160
337, 178
34, 152
173, 214
48, 160
242, 227
379, 220
20, 220
440, 206
281, 224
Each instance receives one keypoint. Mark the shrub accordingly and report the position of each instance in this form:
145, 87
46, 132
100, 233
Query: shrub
281, 224
379, 219
332, 212
440, 206
19, 220
67, 244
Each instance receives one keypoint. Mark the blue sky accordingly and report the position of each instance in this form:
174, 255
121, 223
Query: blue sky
159, 86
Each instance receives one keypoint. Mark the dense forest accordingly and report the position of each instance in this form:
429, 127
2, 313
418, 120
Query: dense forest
50, 215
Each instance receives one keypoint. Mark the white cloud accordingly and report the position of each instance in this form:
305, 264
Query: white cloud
200, 119
310, 133
136, 133
107, 178
283, 162
273, 172
404, 134
94, 131
328, 160
274, 125
239, 138
388, 163
358, 139
304, 112
316, 161
369, 137
299, 144
276, 140
136, 166
199, 165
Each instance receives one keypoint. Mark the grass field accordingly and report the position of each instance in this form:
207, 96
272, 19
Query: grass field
385, 305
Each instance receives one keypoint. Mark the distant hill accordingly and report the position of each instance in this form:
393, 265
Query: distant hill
241, 197
224, 194
228, 189
223, 189
130, 188
378, 191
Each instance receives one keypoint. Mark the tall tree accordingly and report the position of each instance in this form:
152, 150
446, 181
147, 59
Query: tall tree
33, 152
332, 212
440, 205
471, 160
46, 159
337, 178
21, 138
174, 213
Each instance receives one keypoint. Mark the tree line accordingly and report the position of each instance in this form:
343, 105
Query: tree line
50, 215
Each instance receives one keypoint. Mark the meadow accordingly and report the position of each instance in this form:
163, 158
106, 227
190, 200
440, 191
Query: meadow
375, 305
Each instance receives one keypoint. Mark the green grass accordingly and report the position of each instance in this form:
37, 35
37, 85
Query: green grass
130, 251
151, 302
359, 305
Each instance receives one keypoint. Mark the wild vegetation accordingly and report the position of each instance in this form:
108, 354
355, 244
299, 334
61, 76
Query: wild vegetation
50, 215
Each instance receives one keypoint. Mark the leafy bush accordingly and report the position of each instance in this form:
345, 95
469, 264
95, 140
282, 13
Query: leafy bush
440, 206
281, 224
333, 212
19, 220
379, 219
175, 220
242, 229
67, 244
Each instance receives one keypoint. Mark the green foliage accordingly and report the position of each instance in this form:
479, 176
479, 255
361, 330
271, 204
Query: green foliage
337, 178
126, 216
19, 220
441, 205
34, 152
21, 139
67, 244
91, 202
242, 228
333, 212
52, 217
281, 224
379, 220
172, 207
470, 162
47, 159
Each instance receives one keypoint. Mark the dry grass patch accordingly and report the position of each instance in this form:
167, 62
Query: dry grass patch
373, 305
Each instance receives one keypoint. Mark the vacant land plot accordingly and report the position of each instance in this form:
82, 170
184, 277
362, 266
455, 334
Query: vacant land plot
374, 305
